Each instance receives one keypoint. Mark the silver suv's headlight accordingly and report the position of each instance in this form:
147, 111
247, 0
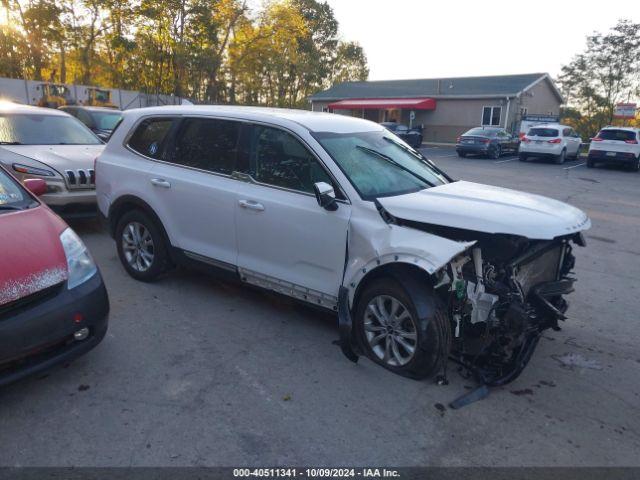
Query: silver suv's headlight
79, 262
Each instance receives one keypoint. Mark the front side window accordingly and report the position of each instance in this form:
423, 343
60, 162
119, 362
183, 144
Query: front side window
491, 116
206, 143
378, 164
28, 129
148, 138
277, 158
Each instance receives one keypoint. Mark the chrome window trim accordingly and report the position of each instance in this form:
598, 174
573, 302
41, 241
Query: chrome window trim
125, 144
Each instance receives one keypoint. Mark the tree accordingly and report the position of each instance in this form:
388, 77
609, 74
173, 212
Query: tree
214, 51
603, 75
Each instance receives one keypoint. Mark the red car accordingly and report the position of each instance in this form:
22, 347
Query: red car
53, 302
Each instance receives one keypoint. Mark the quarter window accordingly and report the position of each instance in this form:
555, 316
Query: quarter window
148, 138
277, 158
206, 143
491, 116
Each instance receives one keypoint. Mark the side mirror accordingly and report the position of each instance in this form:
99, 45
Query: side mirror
37, 186
325, 196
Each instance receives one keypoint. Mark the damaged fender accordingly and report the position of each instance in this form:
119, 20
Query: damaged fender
372, 245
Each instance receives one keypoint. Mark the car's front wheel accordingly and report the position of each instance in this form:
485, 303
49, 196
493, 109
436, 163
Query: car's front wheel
141, 246
392, 334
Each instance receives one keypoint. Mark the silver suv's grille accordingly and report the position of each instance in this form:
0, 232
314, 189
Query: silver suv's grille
81, 178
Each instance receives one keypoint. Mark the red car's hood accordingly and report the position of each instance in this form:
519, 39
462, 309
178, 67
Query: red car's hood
31, 255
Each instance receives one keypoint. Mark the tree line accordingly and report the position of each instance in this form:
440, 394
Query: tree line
607, 72
212, 51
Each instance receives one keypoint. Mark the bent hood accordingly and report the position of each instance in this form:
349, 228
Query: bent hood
32, 257
59, 157
484, 208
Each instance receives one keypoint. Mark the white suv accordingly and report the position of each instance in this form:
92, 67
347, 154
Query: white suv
616, 145
550, 140
339, 213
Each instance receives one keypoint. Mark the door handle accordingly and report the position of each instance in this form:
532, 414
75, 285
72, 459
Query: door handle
251, 205
159, 182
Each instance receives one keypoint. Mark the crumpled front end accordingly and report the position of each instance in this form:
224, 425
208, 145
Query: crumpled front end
501, 295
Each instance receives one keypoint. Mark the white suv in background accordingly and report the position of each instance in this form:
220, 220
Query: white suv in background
616, 145
340, 213
550, 140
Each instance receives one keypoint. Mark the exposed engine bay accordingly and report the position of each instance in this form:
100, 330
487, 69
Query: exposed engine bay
501, 295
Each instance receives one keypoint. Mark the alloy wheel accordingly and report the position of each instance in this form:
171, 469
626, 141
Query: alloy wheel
390, 330
137, 246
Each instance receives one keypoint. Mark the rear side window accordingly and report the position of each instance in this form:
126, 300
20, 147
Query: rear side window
148, 138
621, 135
543, 132
277, 158
206, 143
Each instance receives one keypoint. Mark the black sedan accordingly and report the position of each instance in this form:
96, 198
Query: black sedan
413, 136
101, 120
487, 141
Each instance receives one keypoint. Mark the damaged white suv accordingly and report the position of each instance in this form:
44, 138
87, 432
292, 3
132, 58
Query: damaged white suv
338, 212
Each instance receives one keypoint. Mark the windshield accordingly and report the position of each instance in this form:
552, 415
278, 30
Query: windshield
621, 135
543, 132
483, 132
20, 129
106, 120
12, 196
378, 164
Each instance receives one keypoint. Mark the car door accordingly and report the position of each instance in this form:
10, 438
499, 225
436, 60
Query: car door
286, 241
195, 193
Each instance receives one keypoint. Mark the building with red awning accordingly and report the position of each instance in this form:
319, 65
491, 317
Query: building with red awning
445, 107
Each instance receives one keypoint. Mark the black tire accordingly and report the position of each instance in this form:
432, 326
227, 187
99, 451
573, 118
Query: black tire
462, 154
590, 163
559, 160
523, 157
160, 257
496, 153
635, 167
433, 335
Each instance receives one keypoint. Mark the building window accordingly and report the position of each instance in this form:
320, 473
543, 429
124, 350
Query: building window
524, 111
491, 116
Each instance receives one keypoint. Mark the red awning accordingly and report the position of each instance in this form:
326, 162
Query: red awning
374, 103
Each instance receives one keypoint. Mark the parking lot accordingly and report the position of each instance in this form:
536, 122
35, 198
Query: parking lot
197, 370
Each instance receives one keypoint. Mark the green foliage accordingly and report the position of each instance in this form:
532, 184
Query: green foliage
214, 51
606, 73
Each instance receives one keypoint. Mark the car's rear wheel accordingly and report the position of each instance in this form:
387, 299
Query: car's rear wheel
561, 158
141, 246
590, 163
522, 157
636, 166
462, 154
496, 152
393, 336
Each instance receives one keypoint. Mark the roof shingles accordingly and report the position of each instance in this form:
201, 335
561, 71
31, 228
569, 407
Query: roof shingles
463, 86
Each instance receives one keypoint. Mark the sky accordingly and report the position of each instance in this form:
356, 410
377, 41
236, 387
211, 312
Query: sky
448, 38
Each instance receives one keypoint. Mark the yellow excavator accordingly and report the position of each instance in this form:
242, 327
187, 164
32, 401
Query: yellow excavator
98, 97
54, 95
